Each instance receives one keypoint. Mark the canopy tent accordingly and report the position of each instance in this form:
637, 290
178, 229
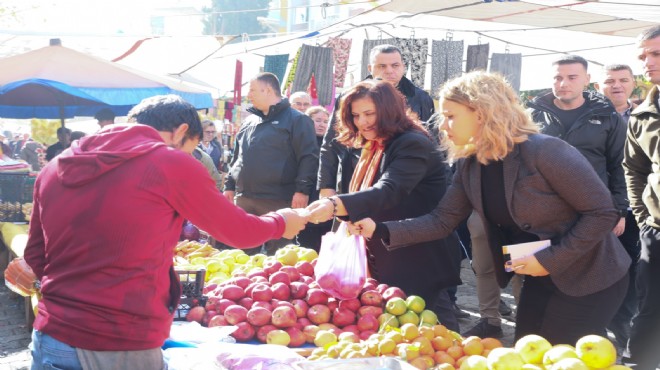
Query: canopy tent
58, 82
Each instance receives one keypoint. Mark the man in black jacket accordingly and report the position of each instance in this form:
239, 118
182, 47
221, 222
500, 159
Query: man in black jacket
275, 155
587, 121
386, 63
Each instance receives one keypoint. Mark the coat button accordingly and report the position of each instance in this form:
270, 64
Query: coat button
526, 227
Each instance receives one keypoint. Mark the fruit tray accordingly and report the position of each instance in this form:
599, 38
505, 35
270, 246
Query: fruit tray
192, 284
15, 191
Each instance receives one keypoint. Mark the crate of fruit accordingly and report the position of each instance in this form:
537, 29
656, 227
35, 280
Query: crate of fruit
192, 284
15, 196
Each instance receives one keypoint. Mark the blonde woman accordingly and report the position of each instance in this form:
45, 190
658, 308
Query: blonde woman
525, 187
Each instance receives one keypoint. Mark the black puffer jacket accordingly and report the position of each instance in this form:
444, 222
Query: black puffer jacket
599, 134
336, 158
274, 155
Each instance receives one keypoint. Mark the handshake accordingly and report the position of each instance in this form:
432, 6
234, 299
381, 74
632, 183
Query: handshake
319, 211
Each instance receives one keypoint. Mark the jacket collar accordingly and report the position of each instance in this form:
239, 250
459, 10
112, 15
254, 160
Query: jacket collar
595, 102
650, 104
405, 87
273, 110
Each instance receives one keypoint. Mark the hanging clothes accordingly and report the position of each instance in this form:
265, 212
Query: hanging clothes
238, 82
341, 48
316, 60
509, 66
446, 62
276, 64
414, 53
292, 74
477, 57
367, 45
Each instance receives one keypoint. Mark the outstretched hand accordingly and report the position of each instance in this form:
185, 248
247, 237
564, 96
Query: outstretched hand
295, 221
320, 211
364, 227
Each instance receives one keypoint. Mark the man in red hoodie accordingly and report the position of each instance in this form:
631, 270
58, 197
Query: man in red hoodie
107, 214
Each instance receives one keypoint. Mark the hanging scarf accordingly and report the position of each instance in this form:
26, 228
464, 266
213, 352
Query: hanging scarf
367, 167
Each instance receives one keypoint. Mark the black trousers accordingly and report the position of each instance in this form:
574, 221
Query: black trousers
560, 318
644, 344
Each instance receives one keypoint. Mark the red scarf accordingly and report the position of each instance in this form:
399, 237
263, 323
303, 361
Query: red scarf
367, 167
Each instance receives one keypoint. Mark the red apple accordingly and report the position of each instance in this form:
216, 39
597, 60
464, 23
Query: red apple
392, 292
211, 303
284, 317
371, 298
367, 287
302, 322
233, 292
310, 332
316, 296
222, 305
279, 277
364, 335
246, 302
305, 268
370, 310
381, 288
263, 331
263, 304
218, 320
262, 292
298, 289
207, 316
258, 316
319, 314
343, 317
296, 335
272, 266
255, 273
277, 303
332, 303
368, 322
235, 314
300, 306
306, 279
242, 281
244, 332
373, 281
260, 279
314, 285
196, 314
293, 273
351, 328
208, 288
351, 304
281, 291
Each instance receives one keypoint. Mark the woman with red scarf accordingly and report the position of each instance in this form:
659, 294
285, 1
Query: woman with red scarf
400, 174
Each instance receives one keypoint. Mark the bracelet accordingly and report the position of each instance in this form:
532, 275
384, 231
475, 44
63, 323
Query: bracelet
334, 206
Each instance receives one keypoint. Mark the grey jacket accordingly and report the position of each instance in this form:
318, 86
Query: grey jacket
642, 160
553, 192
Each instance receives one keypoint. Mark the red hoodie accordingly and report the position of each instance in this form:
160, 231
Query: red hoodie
107, 214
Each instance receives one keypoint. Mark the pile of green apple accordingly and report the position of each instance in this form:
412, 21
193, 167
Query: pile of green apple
533, 352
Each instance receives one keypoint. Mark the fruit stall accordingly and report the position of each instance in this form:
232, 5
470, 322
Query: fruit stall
270, 312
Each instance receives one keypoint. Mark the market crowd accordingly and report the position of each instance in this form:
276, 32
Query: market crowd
576, 169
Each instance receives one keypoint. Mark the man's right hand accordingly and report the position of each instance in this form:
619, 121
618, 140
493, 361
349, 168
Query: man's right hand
229, 194
295, 221
326, 193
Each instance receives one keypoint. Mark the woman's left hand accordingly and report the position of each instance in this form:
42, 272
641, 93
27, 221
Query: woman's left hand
528, 265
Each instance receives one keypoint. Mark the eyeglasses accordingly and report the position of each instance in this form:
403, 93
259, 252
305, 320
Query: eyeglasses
210, 132
301, 104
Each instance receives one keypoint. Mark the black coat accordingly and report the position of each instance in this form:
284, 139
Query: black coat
411, 181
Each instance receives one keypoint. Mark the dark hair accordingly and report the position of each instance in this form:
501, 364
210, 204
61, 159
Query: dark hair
649, 33
63, 130
77, 135
166, 113
384, 49
270, 80
571, 59
391, 117
618, 67
105, 114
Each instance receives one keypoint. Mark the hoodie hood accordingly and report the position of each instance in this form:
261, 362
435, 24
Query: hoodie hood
92, 156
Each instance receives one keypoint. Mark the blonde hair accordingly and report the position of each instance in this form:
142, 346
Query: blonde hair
505, 121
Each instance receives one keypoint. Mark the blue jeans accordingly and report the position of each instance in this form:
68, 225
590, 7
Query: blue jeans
49, 353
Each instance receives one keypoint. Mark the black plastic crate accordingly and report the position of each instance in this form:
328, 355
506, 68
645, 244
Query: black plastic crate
192, 285
15, 191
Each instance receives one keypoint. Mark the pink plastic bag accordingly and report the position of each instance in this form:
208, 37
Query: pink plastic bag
341, 268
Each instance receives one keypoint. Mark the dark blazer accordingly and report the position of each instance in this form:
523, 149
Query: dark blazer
551, 191
411, 181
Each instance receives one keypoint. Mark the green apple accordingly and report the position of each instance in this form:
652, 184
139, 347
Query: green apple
474, 362
386, 319
428, 317
278, 336
287, 256
558, 353
596, 351
324, 337
258, 259
415, 303
306, 254
504, 359
396, 306
532, 347
570, 364
408, 317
